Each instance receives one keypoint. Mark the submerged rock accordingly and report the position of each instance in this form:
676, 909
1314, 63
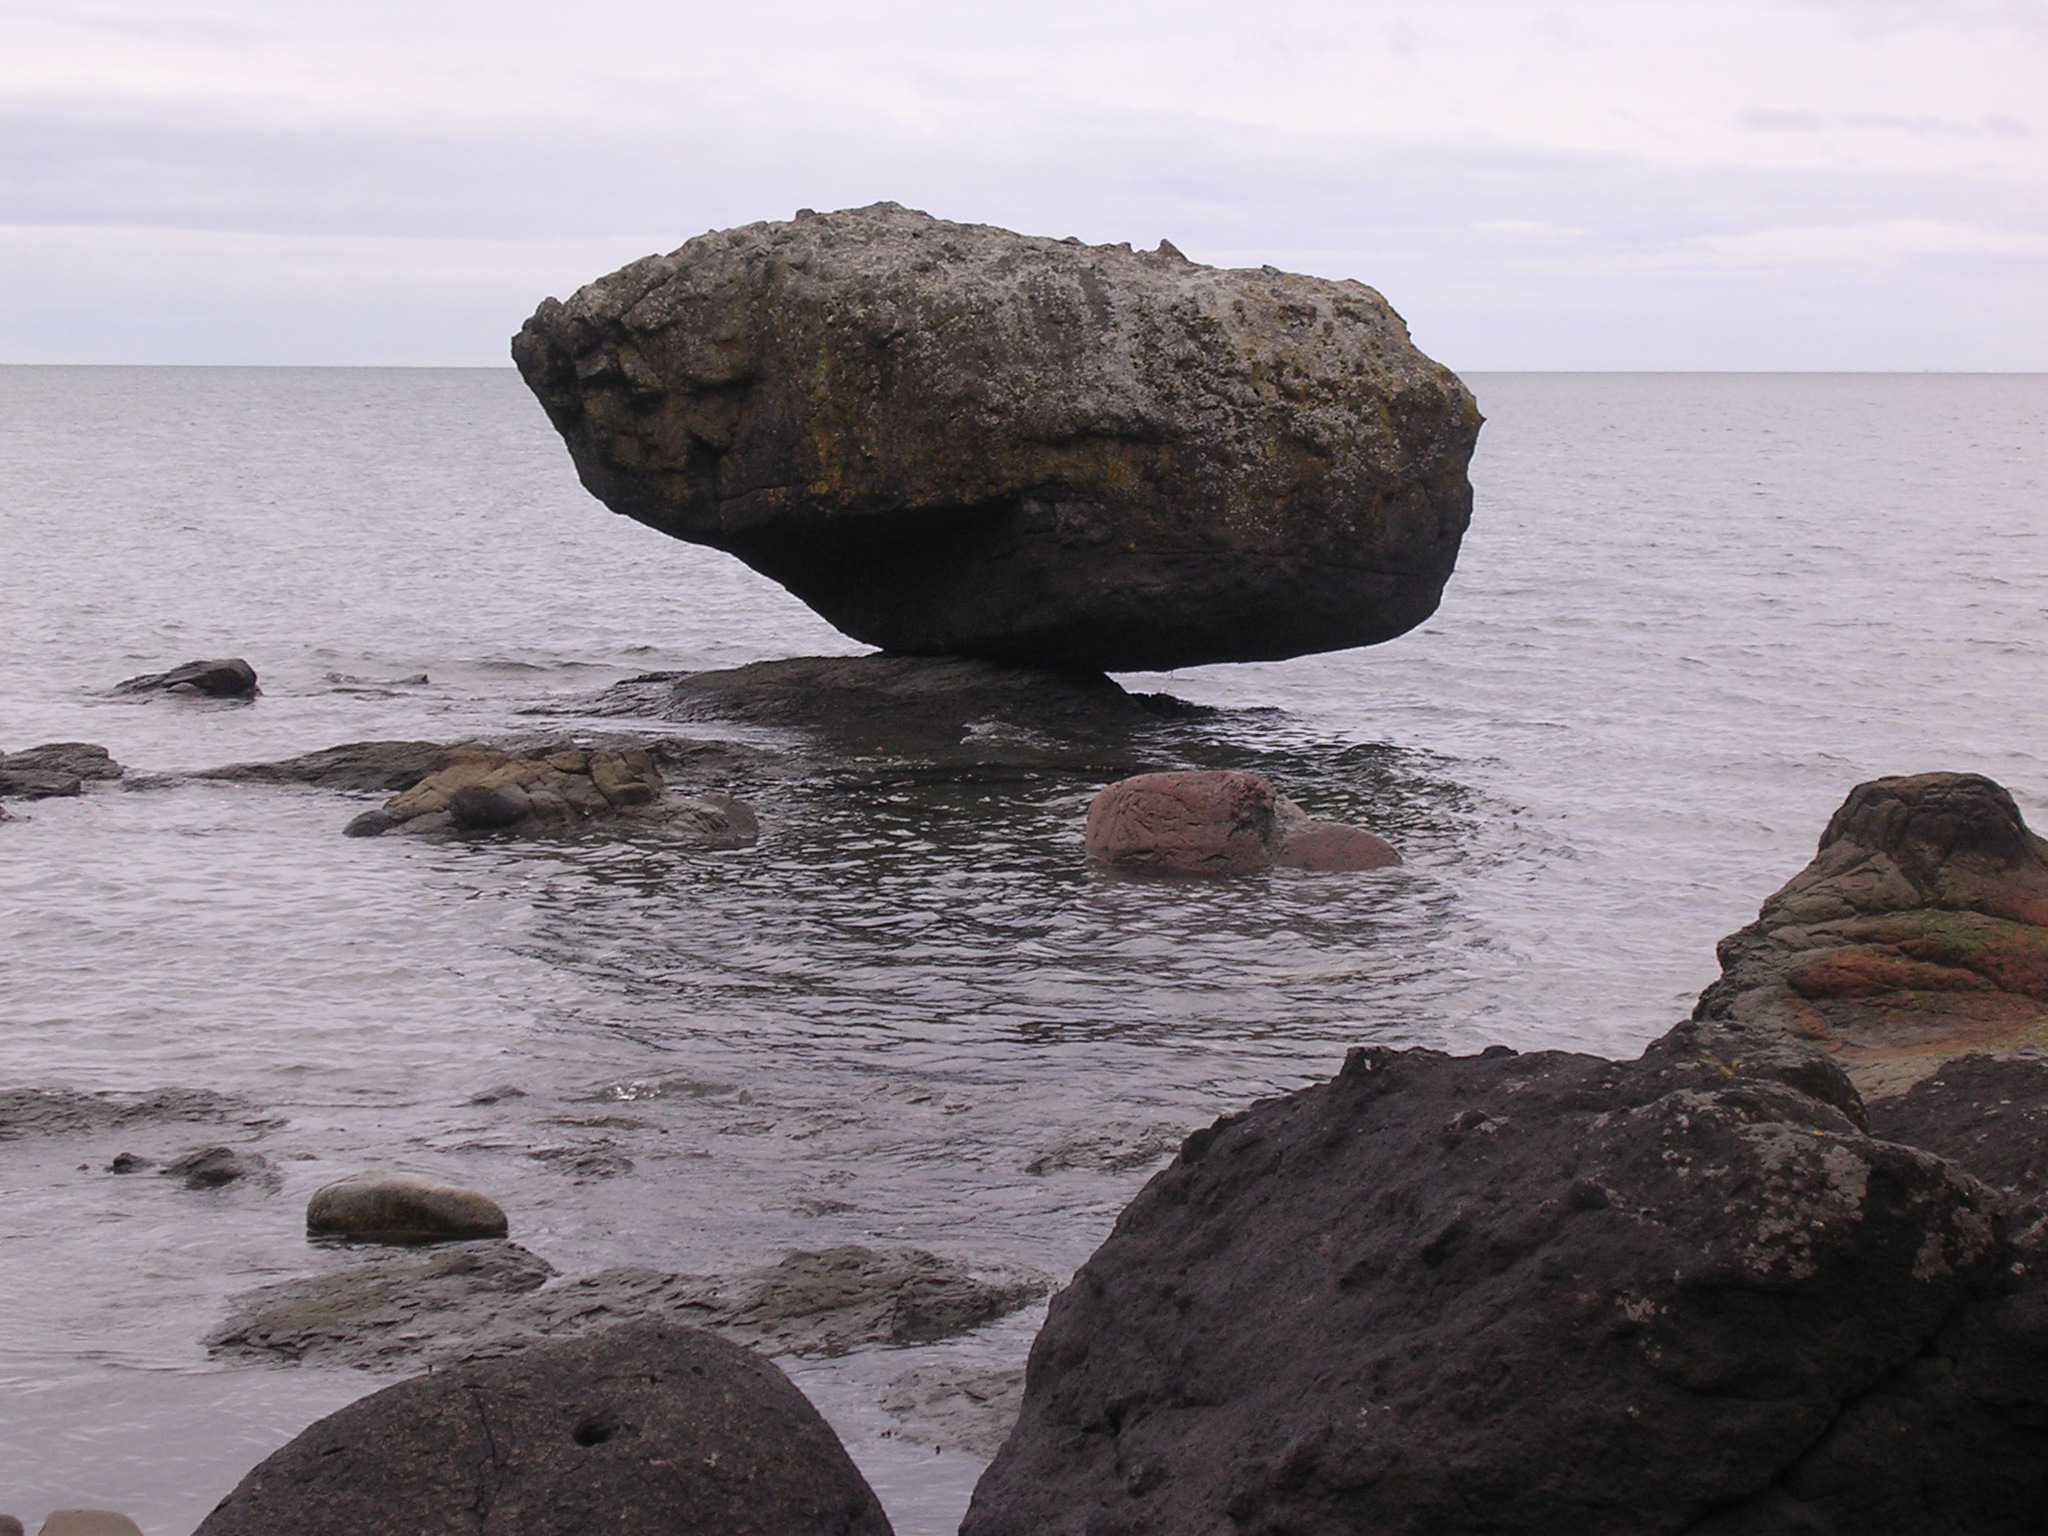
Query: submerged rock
1550, 1294
215, 1168
233, 678
88, 1522
493, 1298
957, 1407
644, 1428
67, 1111
377, 1207
1219, 822
951, 438
1918, 933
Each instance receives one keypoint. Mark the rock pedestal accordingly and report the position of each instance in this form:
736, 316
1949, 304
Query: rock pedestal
948, 438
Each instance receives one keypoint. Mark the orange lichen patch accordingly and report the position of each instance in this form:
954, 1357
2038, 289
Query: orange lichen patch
1866, 971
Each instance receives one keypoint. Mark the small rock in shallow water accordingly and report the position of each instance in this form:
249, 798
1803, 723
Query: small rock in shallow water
218, 1167
129, 1162
374, 1207
89, 1522
232, 678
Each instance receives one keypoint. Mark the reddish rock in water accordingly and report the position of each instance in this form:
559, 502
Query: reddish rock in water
1919, 933
1220, 822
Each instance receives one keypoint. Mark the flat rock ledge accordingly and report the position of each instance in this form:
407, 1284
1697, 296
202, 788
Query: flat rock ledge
1219, 822
482, 789
393, 1310
1919, 933
56, 769
952, 439
647, 1428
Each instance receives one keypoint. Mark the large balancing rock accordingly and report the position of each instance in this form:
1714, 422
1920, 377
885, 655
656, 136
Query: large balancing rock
650, 1428
1545, 1294
951, 438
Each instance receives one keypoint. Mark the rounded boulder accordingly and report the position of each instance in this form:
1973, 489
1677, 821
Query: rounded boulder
377, 1207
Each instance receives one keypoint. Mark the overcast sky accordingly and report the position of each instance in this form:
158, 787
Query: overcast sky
1617, 184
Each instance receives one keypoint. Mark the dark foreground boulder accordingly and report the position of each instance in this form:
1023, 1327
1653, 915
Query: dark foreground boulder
1546, 1294
233, 678
1918, 933
1219, 822
649, 1428
951, 438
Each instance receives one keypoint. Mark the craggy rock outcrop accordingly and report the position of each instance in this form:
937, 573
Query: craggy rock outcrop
646, 1428
233, 678
1219, 822
950, 438
1918, 933
480, 789
378, 1207
1548, 1294
492, 1298
56, 768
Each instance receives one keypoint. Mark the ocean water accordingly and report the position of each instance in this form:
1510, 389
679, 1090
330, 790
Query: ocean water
1692, 612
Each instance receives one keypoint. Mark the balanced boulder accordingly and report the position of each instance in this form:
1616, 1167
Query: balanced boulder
1219, 822
647, 1428
1918, 933
232, 678
376, 1207
948, 438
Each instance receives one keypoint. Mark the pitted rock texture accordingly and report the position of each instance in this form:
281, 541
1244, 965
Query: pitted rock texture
1918, 933
648, 1428
1220, 821
951, 438
1544, 1294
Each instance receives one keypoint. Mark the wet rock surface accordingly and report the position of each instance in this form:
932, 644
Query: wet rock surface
949, 438
379, 1207
1553, 1293
1918, 933
55, 769
649, 1427
494, 1298
363, 766
484, 789
1219, 822
957, 1407
232, 678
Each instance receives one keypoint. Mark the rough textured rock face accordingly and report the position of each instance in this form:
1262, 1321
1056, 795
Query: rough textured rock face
648, 1428
1545, 1293
1219, 821
1918, 933
951, 438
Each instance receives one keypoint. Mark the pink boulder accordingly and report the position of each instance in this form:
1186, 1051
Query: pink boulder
1220, 822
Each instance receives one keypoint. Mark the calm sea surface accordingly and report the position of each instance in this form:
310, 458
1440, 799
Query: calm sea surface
1692, 611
